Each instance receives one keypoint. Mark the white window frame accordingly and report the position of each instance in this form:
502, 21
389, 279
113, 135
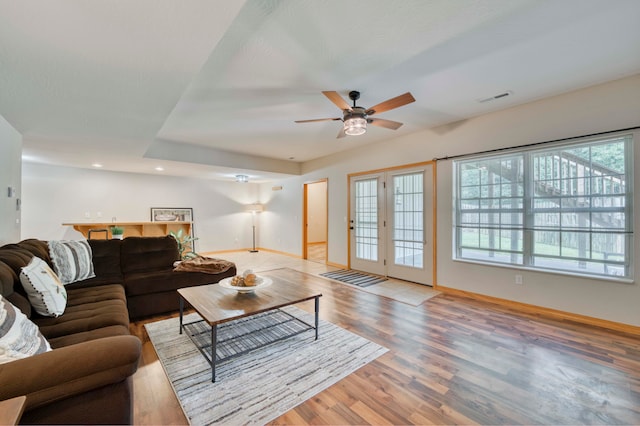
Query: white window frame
495, 219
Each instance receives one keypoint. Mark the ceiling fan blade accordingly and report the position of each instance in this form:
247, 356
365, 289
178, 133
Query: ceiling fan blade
381, 122
337, 99
341, 133
318, 119
396, 102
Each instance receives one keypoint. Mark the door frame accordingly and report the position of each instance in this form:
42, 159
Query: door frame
305, 218
434, 199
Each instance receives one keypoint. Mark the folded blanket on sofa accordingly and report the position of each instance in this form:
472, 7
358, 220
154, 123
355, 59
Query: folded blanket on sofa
208, 265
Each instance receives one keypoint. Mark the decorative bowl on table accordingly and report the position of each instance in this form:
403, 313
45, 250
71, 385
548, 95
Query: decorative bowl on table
260, 282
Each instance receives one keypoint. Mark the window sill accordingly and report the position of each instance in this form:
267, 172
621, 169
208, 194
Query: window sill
549, 271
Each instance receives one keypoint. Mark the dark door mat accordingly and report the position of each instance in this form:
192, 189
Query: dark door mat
354, 277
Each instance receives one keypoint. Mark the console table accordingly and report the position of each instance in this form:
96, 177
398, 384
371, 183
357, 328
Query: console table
134, 229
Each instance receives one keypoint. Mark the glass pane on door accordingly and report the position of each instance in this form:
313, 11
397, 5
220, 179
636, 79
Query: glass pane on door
366, 219
408, 223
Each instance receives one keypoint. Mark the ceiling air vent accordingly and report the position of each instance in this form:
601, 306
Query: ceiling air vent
493, 98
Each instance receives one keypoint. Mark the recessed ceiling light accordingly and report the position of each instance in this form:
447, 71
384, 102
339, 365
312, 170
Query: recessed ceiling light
97, 165
160, 169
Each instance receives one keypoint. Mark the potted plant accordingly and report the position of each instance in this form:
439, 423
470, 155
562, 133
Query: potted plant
185, 244
117, 232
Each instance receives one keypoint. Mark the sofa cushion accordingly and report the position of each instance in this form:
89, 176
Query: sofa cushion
148, 254
88, 310
106, 260
37, 248
19, 337
21, 302
8, 279
46, 293
106, 264
91, 316
15, 258
167, 280
85, 336
72, 260
83, 295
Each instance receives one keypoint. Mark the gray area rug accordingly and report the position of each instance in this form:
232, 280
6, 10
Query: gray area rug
354, 277
261, 385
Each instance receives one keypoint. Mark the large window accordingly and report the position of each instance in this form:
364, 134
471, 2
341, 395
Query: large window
565, 208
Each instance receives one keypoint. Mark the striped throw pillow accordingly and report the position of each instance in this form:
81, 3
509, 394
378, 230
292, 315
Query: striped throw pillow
72, 260
46, 293
19, 337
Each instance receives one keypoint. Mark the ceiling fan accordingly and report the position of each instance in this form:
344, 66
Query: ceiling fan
355, 118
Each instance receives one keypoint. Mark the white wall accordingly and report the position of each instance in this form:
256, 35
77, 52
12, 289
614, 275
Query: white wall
605, 107
10, 177
280, 224
55, 195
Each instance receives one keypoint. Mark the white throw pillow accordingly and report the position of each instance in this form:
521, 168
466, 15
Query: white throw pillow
19, 337
46, 293
72, 260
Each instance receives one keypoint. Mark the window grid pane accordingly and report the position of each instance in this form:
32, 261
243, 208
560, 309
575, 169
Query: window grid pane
490, 211
578, 193
573, 217
366, 224
408, 223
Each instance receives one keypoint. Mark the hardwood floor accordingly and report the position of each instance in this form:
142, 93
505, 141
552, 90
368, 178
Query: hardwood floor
451, 360
317, 252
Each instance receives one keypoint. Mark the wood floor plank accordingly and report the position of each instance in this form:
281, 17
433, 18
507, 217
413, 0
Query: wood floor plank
368, 414
451, 360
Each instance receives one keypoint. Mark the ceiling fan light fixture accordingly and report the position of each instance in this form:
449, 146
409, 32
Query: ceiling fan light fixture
355, 118
355, 126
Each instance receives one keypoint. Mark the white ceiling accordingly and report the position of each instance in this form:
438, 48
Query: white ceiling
211, 88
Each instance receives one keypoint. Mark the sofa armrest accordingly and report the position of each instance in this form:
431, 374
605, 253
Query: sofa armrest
70, 370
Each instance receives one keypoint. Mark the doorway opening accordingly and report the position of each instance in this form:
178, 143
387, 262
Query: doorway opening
315, 223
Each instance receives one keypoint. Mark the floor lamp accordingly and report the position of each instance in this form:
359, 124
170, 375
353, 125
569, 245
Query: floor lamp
254, 209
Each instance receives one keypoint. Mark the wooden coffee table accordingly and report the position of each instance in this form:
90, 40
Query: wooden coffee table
217, 305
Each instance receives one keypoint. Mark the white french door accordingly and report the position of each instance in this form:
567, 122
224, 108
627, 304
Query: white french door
366, 217
391, 224
410, 218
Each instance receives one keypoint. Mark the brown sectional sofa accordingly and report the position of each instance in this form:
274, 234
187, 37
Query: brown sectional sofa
86, 378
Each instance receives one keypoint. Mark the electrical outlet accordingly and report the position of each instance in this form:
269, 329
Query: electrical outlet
87, 215
99, 214
518, 279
